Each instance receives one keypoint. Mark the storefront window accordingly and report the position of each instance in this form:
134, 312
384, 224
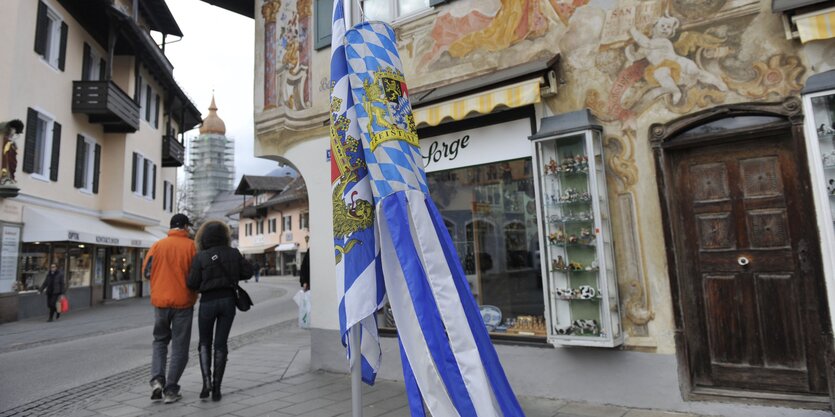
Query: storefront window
59, 257
490, 213
34, 261
122, 264
80, 266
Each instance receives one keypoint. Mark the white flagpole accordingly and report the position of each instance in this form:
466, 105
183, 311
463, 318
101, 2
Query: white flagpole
356, 366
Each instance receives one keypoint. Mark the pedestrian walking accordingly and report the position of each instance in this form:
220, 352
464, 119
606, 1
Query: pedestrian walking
167, 264
55, 288
304, 271
257, 268
215, 273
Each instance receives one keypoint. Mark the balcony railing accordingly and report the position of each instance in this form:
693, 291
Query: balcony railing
254, 212
105, 103
173, 152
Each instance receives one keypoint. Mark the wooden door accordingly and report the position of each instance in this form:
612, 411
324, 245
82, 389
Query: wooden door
743, 236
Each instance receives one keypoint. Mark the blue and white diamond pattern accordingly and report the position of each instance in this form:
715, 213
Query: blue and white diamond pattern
393, 165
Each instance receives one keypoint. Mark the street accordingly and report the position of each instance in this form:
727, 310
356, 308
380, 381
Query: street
40, 360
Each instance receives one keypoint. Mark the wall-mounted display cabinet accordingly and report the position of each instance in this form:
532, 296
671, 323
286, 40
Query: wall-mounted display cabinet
819, 111
577, 259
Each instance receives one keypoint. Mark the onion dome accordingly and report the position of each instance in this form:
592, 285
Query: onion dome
212, 123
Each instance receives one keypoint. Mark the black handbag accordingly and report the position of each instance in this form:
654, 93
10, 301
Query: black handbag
242, 299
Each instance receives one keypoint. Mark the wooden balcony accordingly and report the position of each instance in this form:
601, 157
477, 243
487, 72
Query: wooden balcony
105, 103
173, 152
253, 212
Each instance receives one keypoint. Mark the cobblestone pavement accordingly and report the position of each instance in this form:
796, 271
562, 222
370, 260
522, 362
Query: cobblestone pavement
268, 374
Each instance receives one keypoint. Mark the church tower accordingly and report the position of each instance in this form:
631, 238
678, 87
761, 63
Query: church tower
211, 163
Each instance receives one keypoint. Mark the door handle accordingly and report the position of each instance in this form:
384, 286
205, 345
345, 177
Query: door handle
743, 261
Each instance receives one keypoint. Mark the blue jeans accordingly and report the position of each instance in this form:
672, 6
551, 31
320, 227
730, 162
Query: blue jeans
171, 325
217, 314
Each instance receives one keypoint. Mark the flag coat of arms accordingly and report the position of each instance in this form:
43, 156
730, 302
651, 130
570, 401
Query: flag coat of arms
449, 361
359, 281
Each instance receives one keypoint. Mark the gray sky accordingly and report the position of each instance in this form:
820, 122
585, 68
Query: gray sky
216, 53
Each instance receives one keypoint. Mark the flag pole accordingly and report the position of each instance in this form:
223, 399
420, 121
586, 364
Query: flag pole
356, 372
356, 364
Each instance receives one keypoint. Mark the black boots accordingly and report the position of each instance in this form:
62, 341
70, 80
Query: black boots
206, 369
220, 366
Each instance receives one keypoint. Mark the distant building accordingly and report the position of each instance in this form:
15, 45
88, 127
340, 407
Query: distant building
274, 221
211, 164
223, 208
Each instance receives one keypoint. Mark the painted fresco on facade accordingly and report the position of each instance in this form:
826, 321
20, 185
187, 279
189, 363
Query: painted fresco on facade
287, 49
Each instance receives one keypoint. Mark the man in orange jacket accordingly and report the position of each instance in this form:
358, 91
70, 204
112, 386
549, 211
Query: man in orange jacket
167, 265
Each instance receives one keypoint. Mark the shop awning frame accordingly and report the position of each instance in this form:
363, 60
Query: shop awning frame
257, 249
42, 224
287, 246
509, 96
817, 25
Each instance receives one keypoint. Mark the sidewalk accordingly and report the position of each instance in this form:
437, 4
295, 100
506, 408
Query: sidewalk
271, 377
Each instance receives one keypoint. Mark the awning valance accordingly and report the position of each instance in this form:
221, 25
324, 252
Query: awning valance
817, 25
251, 250
287, 246
49, 225
509, 96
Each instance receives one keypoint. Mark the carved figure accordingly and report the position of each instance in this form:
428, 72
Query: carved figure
9, 150
668, 69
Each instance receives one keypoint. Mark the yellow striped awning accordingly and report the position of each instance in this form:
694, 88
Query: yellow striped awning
510, 96
814, 26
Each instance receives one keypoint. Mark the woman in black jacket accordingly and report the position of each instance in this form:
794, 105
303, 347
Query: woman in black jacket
54, 286
215, 272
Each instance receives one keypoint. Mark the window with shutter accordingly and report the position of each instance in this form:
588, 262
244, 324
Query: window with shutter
154, 181
156, 112
171, 198
134, 176
86, 62
56, 150
392, 10
51, 36
96, 168
86, 164
148, 94
323, 15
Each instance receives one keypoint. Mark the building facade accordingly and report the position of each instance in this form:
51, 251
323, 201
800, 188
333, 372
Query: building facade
274, 224
211, 168
104, 122
696, 133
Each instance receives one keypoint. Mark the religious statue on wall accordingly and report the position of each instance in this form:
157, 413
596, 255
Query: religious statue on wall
287, 45
9, 151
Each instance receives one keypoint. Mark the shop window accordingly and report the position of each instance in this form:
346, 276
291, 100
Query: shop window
51, 36
490, 214
34, 264
121, 264
80, 266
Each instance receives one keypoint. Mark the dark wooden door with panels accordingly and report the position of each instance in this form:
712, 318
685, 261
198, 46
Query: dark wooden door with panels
746, 261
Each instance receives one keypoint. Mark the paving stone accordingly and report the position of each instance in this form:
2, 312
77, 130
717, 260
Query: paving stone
122, 411
592, 410
656, 413
306, 407
540, 407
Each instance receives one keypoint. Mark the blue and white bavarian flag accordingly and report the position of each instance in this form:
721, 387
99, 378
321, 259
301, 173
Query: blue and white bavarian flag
448, 358
359, 280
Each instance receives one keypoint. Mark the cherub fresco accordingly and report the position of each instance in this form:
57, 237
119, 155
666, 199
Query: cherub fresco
287, 54
667, 69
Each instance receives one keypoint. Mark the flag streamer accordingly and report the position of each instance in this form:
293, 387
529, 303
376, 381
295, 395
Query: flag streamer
449, 361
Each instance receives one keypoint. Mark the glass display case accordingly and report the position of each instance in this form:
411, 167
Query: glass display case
819, 108
578, 258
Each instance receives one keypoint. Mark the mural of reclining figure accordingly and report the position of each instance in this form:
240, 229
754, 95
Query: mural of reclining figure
668, 69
